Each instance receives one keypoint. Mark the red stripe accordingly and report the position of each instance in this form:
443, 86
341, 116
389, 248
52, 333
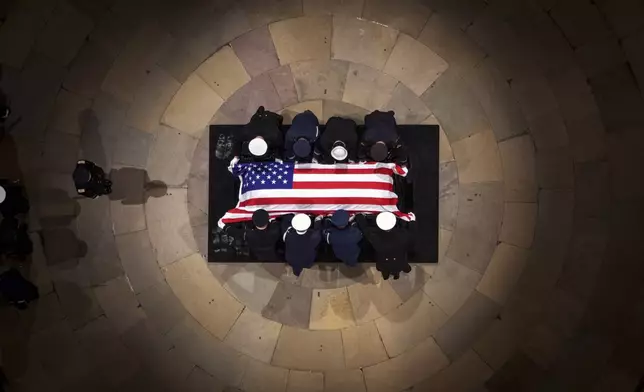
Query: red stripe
380, 201
275, 214
343, 185
344, 170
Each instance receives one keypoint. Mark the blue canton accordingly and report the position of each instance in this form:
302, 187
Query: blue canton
264, 175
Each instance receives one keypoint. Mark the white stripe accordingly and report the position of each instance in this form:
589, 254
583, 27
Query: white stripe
365, 166
322, 177
321, 207
311, 193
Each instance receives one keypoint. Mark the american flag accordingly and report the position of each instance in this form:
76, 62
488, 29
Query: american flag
283, 188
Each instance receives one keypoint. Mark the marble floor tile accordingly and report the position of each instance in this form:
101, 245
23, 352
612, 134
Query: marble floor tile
261, 12
302, 349
262, 377
447, 195
256, 51
18, 34
372, 300
503, 272
406, 16
478, 224
192, 106
243, 104
344, 110
344, 381
132, 147
465, 374
119, 304
252, 285
466, 325
161, 307
170, 156
414, 64
363, 346
315, 106
289, 305
302, 39
331, 309
478, 159
367, 87
519, 169
302, 381
451, 285
200, 380
151, 100
360, 41
410, 324
323, 79
138, 259
346, 8
67, 113
254, 335
282, 79
88, 70
519, 220
408, 107
224, 72
402, 371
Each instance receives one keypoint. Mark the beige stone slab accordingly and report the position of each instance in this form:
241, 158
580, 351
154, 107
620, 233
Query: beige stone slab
407, 16
262, 12
465, 374
320, 79
18, 34
372, 300
161, 306
404, 370
252, 285
119, 303
130, 69
414, 64
503, 272
137, 258
519, 169
346, 8
151, 100
361, 41
548, 131
307, 38
478, 158
202, 295
301, 381
302, 349
315, 106
282, 79
367, 87
254, 335
192, 107
363, 346
344, 381
171, 156
261, 377
64, 34
500, 341
67, 111
169, 225
451, 285
444, 147
199, 380
224, 72
519, 220
331, 309
408, 107
344, 110
445, 237
410, 324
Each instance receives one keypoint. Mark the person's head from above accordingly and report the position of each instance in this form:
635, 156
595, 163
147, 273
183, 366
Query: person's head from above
81, 174
3, 194
260, 219
301, 223
339, 151
302, 148
258, 146
379, 151
340, 219
386, 221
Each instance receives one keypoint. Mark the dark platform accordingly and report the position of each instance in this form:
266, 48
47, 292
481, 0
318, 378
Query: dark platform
418, 193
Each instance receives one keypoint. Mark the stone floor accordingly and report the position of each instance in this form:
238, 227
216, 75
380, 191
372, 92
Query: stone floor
538, 284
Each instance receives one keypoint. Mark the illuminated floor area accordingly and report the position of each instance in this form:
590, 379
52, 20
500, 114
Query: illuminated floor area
540, 195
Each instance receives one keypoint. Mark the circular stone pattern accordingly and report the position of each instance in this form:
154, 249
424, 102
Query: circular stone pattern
529, 181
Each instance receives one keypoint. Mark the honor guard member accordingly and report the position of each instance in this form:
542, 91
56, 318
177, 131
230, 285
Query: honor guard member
343, 237
300, 137
90, 180
390, 242
338, 143
261, 139
301, 241
12, 199
381, 141
263, 236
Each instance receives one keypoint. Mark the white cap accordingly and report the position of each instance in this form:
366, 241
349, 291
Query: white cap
258, 146
386, 221
301, 223
339, 153
3, 194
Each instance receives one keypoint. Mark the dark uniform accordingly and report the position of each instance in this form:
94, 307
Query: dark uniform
337, 130
90, 180
262, 243
391, 247
15, 202
344, 242
381, 127
301, 249
267, 125
304, 128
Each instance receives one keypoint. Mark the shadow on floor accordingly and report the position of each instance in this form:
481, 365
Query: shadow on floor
133, 186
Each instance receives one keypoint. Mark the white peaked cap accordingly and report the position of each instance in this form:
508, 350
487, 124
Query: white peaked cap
386, 221
3, 194
339, 153
301, 222
258, 146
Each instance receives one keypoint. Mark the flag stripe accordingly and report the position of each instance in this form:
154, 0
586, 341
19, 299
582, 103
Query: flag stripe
343, 185
367, 177
312, 194
343, 171
238, 215
310, 201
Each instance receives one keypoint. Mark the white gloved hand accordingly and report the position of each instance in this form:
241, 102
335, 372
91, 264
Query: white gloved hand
279, 160
362, 162
313, 160
317, 218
